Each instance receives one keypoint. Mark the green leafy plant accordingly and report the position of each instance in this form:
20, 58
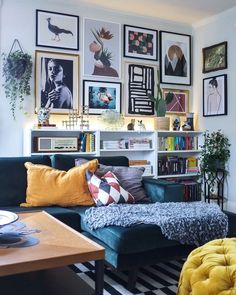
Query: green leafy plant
215, 151
159, 102
17, 71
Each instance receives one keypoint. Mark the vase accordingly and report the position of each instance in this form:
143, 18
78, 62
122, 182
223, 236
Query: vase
161, 123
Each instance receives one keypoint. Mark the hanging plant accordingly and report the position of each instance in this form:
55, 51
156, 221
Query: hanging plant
17, 71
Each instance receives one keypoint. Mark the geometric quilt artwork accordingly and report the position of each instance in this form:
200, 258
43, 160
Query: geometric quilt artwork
107, 189
140, 85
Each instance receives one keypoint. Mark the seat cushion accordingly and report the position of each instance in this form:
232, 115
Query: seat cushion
66, 162
134, 239
67, 216
13, 178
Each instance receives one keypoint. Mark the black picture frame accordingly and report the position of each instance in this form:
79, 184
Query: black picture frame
174, 45
64, 29
144, 43
215, 96
215, 57
101, 96
64, 96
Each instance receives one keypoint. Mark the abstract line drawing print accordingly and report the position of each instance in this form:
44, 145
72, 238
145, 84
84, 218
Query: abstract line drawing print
140, 85
177, 104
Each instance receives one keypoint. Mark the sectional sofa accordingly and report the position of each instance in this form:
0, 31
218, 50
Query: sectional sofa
127, 248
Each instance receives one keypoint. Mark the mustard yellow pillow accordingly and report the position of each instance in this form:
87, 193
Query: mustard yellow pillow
47, 186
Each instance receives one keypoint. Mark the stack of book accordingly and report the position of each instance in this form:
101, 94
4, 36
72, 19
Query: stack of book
114, 144
139, 143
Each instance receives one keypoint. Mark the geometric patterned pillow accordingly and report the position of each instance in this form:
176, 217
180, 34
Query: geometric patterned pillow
107, 189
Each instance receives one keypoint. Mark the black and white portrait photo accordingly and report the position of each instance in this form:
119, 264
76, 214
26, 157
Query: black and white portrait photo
58, 83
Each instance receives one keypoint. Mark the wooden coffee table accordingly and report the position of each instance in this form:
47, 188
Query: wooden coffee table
46, 262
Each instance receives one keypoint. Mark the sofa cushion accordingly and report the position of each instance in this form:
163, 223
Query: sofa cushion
129, 177
66, 162
134, 239
13, 178
66, 215
107, 189
48, 186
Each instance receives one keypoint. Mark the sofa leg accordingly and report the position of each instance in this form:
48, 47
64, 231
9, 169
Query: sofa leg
132, 276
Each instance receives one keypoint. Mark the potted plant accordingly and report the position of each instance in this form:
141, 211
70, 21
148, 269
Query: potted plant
215, 152
17, 71
160, 103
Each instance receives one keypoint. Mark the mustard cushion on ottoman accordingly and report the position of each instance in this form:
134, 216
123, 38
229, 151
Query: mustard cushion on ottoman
210, 269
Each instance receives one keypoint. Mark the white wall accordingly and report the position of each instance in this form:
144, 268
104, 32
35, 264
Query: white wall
215, 30
18, 21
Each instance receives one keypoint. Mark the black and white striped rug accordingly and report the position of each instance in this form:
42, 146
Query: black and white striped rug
161, 279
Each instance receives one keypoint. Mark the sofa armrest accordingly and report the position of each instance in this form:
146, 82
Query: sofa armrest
163, 191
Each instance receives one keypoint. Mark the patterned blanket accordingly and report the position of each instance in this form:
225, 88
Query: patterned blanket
193, 223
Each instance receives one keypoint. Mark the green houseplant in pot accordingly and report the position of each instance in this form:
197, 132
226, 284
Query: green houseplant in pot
215, 151
161, 121
17, 71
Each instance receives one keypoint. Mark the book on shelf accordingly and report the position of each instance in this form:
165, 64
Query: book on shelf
87, 142
138, 162
176, 143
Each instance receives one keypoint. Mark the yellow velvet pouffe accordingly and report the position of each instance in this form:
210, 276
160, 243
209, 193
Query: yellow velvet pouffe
210, 269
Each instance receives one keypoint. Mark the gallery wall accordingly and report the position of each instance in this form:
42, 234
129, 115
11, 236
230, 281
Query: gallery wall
18, 21
213, 31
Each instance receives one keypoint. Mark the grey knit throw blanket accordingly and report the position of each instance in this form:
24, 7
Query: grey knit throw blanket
193, 223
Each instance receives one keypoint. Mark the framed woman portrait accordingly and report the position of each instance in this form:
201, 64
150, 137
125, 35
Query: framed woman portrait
215, 96
102, 49
140, 42
175, 58
180, 102
214, 57
100, 96
56, 81
57, 30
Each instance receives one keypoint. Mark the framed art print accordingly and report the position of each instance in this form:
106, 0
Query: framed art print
215, 96
56, 76
140, 83
180, 102
214, 57
100, 96
175, 58
140, 42
57, 30
102, 49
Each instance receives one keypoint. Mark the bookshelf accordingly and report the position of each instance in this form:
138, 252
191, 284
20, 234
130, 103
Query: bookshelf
135, 145
177, 160
50, 141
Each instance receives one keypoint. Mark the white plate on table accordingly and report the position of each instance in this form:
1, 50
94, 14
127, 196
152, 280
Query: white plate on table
7, 217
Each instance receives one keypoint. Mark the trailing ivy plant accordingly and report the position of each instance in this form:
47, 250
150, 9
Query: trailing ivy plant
17, 71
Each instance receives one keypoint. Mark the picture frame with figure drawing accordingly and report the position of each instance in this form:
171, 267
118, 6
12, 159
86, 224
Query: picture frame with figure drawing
215, 96
100, 96
175, 58
56, 81
57, 30
180, 102
102, 49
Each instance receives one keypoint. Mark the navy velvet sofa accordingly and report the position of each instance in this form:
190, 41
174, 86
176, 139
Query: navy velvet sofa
125, 248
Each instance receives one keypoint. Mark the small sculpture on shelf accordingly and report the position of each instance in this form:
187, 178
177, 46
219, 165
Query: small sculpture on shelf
74, 117
141, 125
130, 126
176, 123
43, 116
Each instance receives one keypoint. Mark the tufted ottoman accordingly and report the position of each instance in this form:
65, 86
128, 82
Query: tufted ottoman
210, 269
